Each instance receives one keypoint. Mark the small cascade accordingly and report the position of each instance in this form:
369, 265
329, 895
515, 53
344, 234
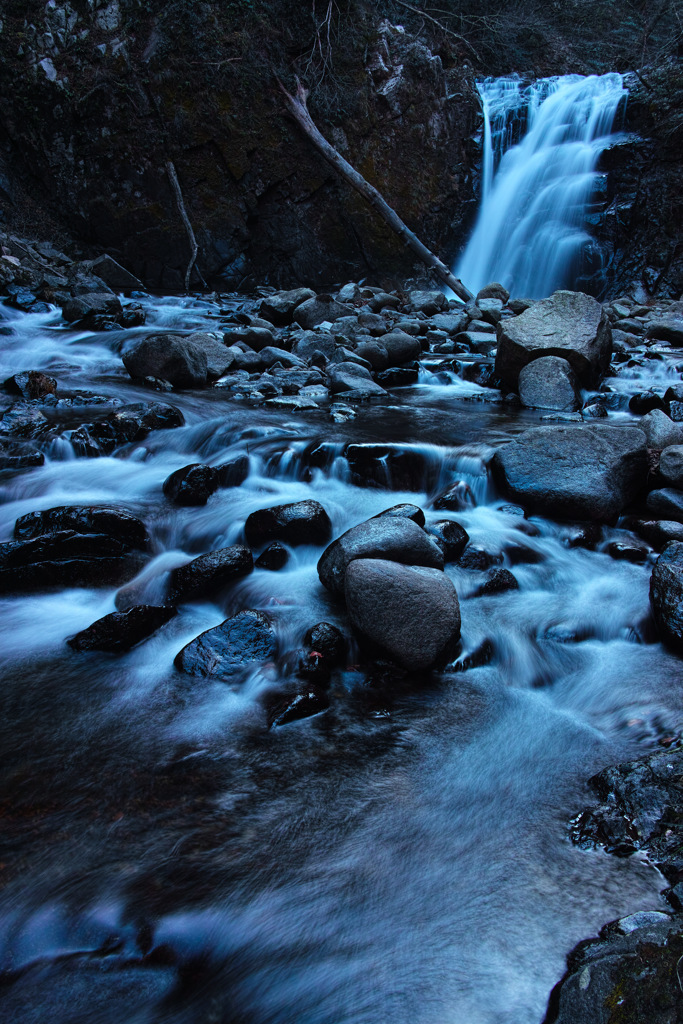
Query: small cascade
541, 144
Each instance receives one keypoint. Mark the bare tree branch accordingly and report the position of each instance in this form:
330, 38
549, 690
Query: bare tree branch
175, 184
450, 32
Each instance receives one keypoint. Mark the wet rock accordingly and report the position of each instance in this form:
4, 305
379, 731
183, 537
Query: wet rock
270, 355
221, 652
570, 325
86, 308
65, 559
374, 353
656, 532
549, 383
256, 338
401, 348
671, 466
312, 342
457, 497
208, 574
404, 511
497, 582
384, 300
644, 402
299, 522
428, 303
666, 503
191, 485
279, 308
574, 472
410, 612
345, 379
233, 473
328, 641
668, 328
25, 421
16, 456
318, 310
283, 708
451, 537
476, 557
120, 631
114, 522
398, 377
660, 431
625, 551
390, 466
219, 358
493, 291
169, 357
274, 558
31, 385
666, 594
490, 310
388, 536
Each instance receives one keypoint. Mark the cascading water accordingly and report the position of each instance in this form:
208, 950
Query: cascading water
541, 145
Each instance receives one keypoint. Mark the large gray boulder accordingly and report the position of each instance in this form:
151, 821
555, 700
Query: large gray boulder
571, 325
660, 430
666, 594
353, 381
549, 383
577, 471
168, 356
401, 347
321, 309
219, 358
671, 465
389, 536
668, 328
410, 612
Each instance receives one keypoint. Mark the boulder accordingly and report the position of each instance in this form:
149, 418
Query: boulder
329, 642
660, 431
574, 472
451, 537
169, 357
318, 310
85, 308
221, 652
271, 354
384, 300
385, 537
490, 310
299, 522
549, 383
374, 353
497, 582
404, 511
493, 291
310, 342
114, 275
191, 485
114, 522
409, 612
665, 503
398, 377
279, 308
645, 401
570, 325
274, 558
671, 465
233, 473
256, 338
455, 498
657, 532
208, 574
345, 379
31, 385
120, 631
24, 421
219, 358
668, 328
401, 348
428, 303
17, 455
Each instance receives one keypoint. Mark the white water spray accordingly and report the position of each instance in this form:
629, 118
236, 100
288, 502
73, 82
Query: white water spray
530, 233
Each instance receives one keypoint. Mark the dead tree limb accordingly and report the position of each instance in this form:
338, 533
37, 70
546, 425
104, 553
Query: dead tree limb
299, 110
175, 185
449, 31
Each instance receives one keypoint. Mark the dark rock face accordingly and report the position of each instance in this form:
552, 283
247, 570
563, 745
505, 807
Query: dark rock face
549, 383
574, 472
210, 573
666, 594
223, 651
301, 522
391, 537
122, 630
411, 613
191, 485
115, 522
570, 325
169, 357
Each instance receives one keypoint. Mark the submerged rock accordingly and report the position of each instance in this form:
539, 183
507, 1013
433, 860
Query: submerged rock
120, 631
300, 522
410, 612
221, 652
191, 485
206, 575
274, 558
116, 522
574, 472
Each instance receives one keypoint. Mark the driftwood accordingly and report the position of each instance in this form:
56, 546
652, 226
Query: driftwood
298, 108
175, 184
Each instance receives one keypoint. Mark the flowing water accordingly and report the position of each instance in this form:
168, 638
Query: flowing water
402, 856
541, 144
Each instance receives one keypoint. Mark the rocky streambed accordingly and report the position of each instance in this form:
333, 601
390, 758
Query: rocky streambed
326, 620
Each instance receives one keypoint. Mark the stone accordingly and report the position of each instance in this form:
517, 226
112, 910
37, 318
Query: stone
400, 347
16, 455
221, 652
85, 308
671, 466
390, 466
345, 380
191, 485
283, 708
219, 358
398, 377
65, 558
112, 521
31, 385
279, 308
384, 300
627, 551
668, 328
570, 325
274, 558
410, 612
256, 338
233, 473
478, 558
270, 355
457, 497
169, 357
644, 402
660, 431
428, 303
114, 275
375, 353
120, 631
493, 291
24, 421
665, 503
318, 310
349, 293
497, 581
657, 532
328, 641
299, 522
490, 310
549, 383
587, 471
385, 537
208, 574
311, 342
451, 537
404, 511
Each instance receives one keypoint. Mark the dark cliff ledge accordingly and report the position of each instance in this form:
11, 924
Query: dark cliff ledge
97, 98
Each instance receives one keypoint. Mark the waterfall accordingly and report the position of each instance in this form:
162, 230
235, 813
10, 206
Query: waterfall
541, 144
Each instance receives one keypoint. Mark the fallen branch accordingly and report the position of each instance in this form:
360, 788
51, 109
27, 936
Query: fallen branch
175, 184
449, 31
299, 110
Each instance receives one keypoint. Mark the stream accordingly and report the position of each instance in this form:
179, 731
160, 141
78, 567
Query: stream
401, 856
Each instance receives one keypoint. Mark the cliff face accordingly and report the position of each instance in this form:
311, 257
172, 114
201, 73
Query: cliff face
97, 97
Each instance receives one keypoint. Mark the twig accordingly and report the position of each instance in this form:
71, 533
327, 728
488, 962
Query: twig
443, 28
175, 184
